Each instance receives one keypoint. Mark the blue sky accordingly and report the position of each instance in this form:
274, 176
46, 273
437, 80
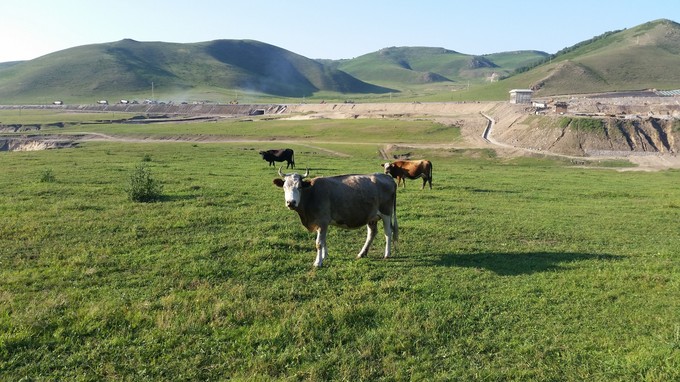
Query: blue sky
322, 29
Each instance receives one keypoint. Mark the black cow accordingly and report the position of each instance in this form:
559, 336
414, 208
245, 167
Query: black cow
272, 156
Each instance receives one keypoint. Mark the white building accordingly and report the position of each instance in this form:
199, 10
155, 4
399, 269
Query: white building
520, 95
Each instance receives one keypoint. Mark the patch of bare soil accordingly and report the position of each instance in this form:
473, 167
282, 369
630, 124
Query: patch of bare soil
646, 138
35, 143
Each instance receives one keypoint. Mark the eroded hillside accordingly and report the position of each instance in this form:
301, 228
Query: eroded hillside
587, 136
594, 127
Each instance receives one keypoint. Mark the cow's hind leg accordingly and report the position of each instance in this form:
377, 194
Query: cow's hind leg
321, 249
425, 179
387, 227
370, 235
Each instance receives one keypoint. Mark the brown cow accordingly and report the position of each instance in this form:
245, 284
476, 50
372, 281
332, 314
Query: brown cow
412, 169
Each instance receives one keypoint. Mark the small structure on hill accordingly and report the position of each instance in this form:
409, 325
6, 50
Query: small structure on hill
520, 95
560, 107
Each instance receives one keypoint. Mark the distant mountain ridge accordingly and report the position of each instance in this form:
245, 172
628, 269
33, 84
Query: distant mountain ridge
645, 56
421, 65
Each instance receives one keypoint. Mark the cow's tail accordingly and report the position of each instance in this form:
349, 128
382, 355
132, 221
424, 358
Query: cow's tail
431, 174
393, 218
292, 159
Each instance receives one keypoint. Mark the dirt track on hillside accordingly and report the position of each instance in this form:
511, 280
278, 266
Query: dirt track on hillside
474, 118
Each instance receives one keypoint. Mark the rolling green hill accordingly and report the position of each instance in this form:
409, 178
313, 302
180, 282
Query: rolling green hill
402, 66
642, 57
128, 68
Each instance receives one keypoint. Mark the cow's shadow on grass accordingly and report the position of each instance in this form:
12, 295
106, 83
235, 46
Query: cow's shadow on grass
518, 263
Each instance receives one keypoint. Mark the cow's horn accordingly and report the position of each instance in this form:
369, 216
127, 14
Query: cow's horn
306, 173
280, 173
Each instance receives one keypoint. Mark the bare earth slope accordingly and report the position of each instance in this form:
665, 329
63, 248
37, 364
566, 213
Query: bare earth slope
639, 130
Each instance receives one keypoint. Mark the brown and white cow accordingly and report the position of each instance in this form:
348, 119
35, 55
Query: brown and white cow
346, 201
412, 169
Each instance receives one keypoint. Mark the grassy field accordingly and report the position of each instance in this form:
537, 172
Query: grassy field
523, 269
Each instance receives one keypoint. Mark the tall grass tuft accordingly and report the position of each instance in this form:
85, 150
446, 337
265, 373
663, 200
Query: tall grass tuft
47, 176
143, 187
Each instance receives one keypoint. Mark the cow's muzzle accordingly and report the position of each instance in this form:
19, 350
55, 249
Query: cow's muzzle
291, 204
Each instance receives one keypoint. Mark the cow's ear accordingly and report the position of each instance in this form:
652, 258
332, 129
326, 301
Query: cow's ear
278, 182
306, 184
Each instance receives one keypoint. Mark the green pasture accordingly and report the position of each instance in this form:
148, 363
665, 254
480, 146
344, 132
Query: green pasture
326, 130
525, 269
330, 131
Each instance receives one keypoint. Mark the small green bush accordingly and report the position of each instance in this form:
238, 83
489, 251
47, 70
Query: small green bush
47, 176
143, 187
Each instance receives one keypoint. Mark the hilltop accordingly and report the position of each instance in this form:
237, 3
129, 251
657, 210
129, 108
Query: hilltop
397, 66
129, 67
642, 57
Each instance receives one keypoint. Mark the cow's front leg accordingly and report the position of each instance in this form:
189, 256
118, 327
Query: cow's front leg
370, 235
321, 249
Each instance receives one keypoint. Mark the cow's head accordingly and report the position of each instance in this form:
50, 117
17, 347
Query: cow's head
292, 184
387, 166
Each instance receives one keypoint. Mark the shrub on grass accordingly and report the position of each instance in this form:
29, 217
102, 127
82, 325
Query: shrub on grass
143, 187
47, 176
